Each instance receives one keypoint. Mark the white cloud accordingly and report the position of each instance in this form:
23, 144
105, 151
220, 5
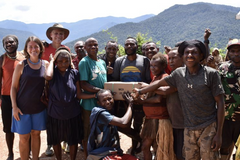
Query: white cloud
22, 8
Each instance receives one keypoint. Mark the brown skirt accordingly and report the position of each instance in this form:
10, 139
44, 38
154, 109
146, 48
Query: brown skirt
165, 149
150, 128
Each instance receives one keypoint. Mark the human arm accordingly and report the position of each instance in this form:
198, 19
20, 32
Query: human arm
88, 87
166, 90
81, 95
1, 62
49, 70
217, 140
151, 100
206, 36
150, 88
14, 88
143, 84
124, 121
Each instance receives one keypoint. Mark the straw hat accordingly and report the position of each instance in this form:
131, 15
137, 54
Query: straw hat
57, 26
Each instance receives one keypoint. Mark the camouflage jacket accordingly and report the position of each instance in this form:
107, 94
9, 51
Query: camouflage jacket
230, 77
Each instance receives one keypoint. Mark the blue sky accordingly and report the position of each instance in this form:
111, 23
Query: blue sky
46, 11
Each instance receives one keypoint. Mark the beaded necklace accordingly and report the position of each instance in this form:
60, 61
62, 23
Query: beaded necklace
33, 62
15, 57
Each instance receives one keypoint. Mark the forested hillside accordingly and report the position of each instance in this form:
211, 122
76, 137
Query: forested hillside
180, 22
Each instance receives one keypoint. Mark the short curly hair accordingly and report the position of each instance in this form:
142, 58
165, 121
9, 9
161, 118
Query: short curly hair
161, 57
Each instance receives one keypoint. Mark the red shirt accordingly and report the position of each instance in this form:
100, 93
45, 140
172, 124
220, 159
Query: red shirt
49, 50
8, 67
156, 110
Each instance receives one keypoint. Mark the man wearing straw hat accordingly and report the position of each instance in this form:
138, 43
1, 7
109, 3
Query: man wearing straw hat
57, 33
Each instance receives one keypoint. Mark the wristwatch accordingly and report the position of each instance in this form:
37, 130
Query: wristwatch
139, 92
206, 41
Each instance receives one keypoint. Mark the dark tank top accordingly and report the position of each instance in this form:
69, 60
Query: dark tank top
31, 86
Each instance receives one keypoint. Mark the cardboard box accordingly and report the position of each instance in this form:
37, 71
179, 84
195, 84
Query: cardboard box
119, 87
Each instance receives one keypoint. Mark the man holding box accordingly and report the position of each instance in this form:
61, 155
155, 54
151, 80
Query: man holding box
133, 68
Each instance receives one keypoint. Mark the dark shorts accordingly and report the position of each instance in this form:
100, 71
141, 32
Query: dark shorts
230, 133
178, 136
6, 113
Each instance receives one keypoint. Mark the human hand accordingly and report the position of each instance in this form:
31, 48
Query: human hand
45, 43
51, 57
127, 97
211, 61
207, 33
135, 93
16, 112
109, 68
216, 143
167, 49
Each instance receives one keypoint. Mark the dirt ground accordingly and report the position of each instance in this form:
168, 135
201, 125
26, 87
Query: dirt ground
124, 140
125, 145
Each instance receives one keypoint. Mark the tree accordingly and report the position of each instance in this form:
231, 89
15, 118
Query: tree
141, 39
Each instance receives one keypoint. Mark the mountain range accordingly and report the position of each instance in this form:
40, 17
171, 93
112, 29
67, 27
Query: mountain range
177, 23
77, 29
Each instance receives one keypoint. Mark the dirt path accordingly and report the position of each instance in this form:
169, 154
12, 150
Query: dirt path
125, 144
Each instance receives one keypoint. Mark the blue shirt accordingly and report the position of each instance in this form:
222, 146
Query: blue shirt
63, 102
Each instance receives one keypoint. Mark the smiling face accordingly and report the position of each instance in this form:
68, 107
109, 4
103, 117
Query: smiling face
10, 45
105, 100
150, 50
33, 49
192, 56
57, 36
63, 62
156, 67
111, 50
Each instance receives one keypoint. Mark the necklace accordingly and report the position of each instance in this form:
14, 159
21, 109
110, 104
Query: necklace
33, 62
15, 57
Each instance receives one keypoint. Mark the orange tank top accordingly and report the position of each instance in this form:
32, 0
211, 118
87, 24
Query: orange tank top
8, 67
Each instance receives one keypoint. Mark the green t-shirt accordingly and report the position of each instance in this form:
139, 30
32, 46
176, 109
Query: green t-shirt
95, 73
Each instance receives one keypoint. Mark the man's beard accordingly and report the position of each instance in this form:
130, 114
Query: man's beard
134, 51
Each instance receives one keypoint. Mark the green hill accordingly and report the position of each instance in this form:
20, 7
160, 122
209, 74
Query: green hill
179, 22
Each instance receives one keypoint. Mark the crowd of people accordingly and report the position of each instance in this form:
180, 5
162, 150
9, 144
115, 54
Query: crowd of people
188, 105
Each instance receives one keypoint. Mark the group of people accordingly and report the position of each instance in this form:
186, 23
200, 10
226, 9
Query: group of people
186, 108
